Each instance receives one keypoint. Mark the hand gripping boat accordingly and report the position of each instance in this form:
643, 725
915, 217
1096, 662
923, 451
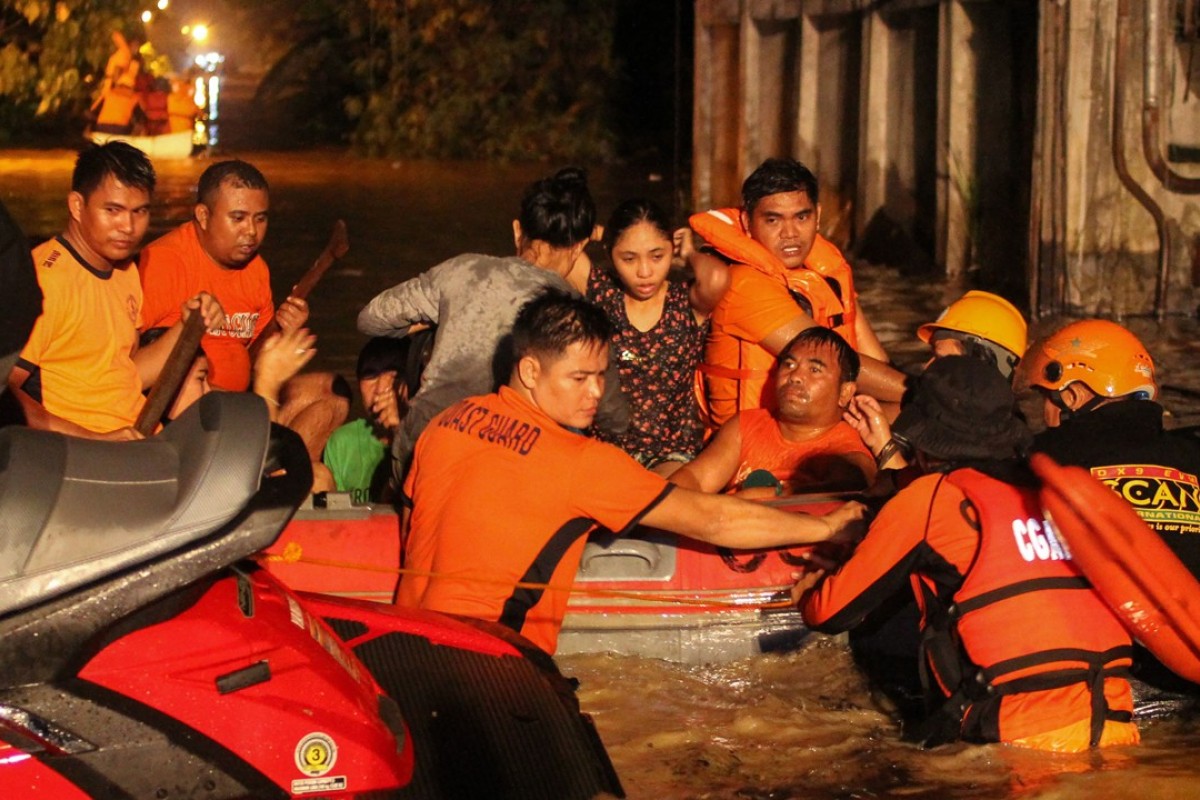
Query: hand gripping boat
142, 658
1150, 590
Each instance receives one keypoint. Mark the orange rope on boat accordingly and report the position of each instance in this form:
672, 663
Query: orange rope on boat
293, 553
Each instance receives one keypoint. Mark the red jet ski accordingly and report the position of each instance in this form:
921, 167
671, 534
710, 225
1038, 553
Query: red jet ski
143, 657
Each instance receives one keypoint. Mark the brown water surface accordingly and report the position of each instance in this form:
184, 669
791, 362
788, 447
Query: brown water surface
803, 725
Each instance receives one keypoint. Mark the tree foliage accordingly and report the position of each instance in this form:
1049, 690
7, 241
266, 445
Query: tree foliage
52, 53
481, 78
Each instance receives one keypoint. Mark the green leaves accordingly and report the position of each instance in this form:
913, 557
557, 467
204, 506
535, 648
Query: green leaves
482, 78
51, 53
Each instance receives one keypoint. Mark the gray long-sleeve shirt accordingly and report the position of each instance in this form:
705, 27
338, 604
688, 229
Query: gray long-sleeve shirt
473, 300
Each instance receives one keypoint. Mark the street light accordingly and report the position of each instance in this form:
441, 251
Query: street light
200, 32
147, 16
162, 5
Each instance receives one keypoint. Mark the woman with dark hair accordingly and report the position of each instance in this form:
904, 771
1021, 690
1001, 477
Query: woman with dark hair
473, 299
659, 322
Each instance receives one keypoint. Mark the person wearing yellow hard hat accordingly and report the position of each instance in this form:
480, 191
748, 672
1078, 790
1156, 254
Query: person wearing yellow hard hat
984, 327
979, 324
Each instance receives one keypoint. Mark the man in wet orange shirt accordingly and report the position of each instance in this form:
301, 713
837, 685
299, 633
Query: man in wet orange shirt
505, 487
802, 442
82, 372
786, 278
217, 251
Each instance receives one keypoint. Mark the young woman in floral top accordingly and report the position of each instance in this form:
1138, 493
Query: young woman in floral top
660, 320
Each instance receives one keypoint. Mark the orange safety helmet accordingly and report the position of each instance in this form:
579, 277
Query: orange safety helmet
1107, 358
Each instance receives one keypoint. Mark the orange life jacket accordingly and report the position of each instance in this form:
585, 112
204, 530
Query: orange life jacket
823, 288
116, 110
1024, 620
181, 111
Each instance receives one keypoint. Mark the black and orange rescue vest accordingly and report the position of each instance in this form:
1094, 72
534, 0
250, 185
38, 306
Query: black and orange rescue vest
1024, 620
823, 289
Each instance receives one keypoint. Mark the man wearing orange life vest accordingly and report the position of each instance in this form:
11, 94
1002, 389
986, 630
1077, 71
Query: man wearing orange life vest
786, 278
1020, 649
505, 488
801, 443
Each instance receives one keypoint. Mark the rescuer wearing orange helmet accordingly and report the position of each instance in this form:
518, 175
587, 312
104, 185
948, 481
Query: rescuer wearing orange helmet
1100, 390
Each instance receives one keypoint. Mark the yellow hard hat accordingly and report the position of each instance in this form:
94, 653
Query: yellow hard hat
982, 314
1110, 360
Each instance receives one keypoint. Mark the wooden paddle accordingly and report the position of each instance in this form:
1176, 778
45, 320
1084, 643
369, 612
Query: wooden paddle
338, 246
173, 372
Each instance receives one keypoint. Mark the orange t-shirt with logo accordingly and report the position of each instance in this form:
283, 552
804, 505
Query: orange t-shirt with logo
175, 268
831, 458
80, 353
501, 495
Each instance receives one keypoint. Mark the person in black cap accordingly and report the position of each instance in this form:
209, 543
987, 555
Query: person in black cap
1015, 645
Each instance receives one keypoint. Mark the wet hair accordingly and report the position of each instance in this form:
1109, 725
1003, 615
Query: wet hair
407, 357
558, 210
816, 336
238, 174
776, 176
630, 213
553, 321
123, 161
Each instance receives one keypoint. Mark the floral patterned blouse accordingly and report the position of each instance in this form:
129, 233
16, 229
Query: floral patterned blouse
657, 369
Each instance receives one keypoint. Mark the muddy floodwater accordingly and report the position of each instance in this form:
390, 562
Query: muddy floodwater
801, 725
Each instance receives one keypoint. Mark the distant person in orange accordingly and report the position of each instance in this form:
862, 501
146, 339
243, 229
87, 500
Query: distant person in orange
181, 106
801, 443
1017, 645
217, 251
82, 372
118, 98
785, 278
504, 489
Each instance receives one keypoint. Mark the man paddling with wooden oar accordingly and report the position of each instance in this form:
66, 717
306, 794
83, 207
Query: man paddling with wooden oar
217, 251
82, 372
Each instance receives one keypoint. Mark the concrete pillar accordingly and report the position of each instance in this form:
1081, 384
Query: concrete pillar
703, 87
750, 151
957, 184
807, 144
873, 154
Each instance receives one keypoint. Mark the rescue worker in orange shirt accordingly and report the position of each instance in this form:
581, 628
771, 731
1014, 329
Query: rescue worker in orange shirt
785, 278
82, 372
118, 97
505, 488
802, 443
1018, 647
